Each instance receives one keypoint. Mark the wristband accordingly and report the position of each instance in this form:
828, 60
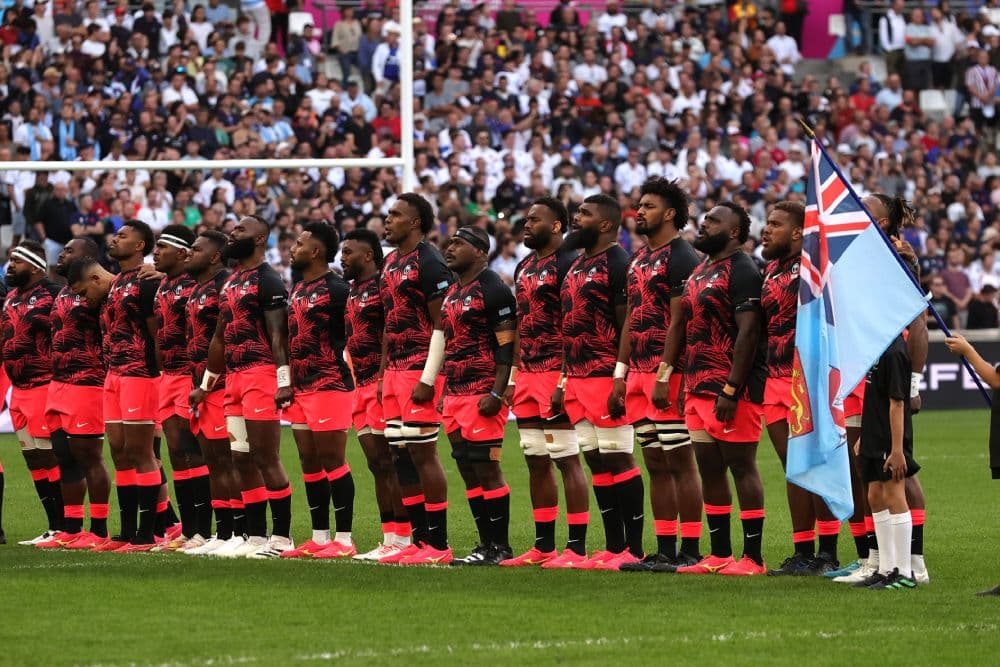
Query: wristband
208, 380
663, 372
732, 391
496, 396
621, 369
915, 379
284, 377
562, 382
513, 374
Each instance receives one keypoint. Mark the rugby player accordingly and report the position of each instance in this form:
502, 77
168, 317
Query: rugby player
594, 302
724, 386
414, 280
477, 319
545, 437
782, 247
250, 344
361, 257
656, 280
324, 391
26, 351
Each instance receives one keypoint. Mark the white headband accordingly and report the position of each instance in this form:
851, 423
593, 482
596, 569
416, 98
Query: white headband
31, 258
175, 241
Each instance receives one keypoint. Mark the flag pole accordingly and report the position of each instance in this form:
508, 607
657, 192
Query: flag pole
906, 269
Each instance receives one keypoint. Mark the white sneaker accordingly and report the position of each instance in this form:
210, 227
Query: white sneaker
229, 549
44, 537
867, 569
381, 551
194, 543
210, 546
252, 545
273, 548
919, 570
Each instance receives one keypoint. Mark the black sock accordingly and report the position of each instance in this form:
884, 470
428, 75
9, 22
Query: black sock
386, 517
223, 522
630, 502
57, 504
753, 531
147, 497
828, 545
805, 548
182, 492
861, 545
718, 534
318, 497
478, 508
917, 541
607, 502
239, 518
99, 527
256, 516
691, 546
498, 509
281, 512
128, 505
342, 495
545, 528
437, 525
201, 494
872, 542
577, 538
418, 521
43, 487
72, 524
666, 545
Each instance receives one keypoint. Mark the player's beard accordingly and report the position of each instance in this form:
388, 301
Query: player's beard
581, 239
537, 240
711, 245
299, 265
773, 251
15, 279
240, 249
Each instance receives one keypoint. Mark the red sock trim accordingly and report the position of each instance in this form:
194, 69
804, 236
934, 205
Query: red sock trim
389, 527
40, 475
602, 479
200, 471
919, 516
493, 494
804, 536
436, 507
278, 494
98, 510
337, 473
857, 528
54, 474
627, 475
577, 518
73, 511
182, 475
148, 478
690, 529
310, 477
827, 528
221, 505
257, 495
237, 504
410, 501
162, 506
474, 493
718, 509
1, 468
752, 514
869, 524
404, 528
545, 514
667, 527
125, 477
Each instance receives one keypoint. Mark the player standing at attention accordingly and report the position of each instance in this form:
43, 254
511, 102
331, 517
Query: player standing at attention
324, 391
594, 303
724, 386
782, 243
656, 280
75, 405
191, 482
251, 345
414, 281
478, 322
26, 326
128, 324
545, 437
208, 421
361, 257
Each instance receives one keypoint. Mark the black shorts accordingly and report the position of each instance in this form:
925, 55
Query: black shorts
871, 470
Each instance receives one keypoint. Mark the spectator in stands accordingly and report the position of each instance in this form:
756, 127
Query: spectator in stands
917, 52
345, 41
983, 309
942, 302
892, 36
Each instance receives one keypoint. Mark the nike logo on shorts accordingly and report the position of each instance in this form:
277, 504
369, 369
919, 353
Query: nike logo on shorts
257, 411
131, 410
477, 430
414, 411
728, 430
325, 420
82, 425
219, 428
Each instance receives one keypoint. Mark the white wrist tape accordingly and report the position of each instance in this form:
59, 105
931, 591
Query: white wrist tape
208, 380
284, 377
621, 370
663, 372
513, 374
435, 356
915, 379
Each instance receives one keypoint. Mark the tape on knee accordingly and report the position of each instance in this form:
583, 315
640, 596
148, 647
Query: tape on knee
27, 441
239, 441
533, 442
419, 434
702, 437
300, 427
394, 433
484, 453
616, 440
673, 435
364, 430
586, 435
406, 472
647, 436
561, 442
854, 421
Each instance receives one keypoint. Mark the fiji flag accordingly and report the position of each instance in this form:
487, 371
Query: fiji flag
854, 299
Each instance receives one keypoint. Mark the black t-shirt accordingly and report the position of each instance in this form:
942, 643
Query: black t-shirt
982, 315
888, 379
945, 307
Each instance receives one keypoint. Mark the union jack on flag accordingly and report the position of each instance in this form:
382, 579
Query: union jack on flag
854, 299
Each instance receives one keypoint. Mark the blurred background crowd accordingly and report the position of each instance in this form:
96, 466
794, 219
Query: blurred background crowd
514, 100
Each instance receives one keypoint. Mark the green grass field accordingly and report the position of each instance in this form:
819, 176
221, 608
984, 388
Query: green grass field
68, 608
